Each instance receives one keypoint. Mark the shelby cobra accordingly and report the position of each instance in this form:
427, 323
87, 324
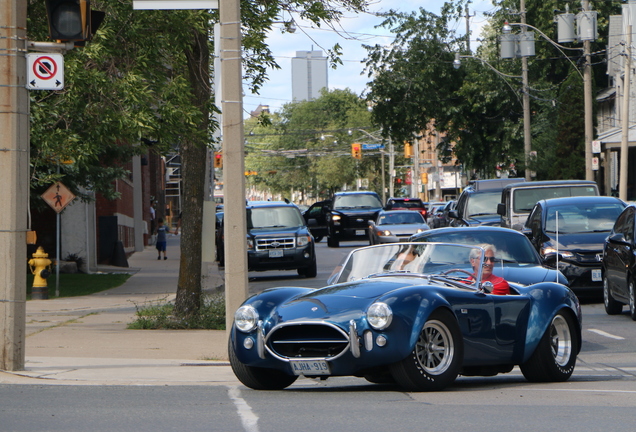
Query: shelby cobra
408, 313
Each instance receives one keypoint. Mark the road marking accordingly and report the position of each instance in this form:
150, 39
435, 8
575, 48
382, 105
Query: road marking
609, 335
248, 418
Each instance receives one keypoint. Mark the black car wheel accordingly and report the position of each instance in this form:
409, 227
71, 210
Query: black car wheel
333, 242
309, 272
436, 359
259, 378
554, 358
612, 307
632, 301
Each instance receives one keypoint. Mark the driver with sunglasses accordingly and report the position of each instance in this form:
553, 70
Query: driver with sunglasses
500, 286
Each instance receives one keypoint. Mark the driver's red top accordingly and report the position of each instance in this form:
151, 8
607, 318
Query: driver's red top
500, 286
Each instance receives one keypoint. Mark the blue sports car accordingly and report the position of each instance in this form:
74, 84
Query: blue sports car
408, 313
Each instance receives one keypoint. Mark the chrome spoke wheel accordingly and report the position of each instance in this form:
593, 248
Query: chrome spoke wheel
435, 348
560, 340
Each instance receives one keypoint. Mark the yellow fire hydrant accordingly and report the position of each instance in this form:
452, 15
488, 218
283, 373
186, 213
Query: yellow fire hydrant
40, 264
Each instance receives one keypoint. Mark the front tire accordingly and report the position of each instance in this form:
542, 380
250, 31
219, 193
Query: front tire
436, 359
259, 378
612, 307
554, 358
333, 242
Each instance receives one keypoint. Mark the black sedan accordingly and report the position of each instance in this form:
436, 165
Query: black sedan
619, 264
517, 261
570, 232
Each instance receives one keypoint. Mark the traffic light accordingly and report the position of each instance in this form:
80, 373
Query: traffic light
218, 160
408, 150
72, 20
356, 150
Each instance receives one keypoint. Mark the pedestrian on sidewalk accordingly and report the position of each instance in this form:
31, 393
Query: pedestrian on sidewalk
162, 230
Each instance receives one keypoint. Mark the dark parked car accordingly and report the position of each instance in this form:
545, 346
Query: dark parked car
316, 218
392, 226
349, 216
619, 265
277, 239
435, 214
570, 233
419, 329
477, 204
517, 260
414, 204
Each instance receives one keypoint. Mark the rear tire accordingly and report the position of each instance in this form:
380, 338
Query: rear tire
258, 378
612, 307
437, 357
555, 356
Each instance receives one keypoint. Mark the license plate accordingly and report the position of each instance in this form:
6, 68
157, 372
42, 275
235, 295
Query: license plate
360, 232
312, 367
275, 253
596, 275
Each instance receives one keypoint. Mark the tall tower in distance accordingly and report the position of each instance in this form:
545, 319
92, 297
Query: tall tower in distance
309, 75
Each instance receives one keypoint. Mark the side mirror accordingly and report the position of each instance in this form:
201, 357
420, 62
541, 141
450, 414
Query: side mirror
453, 214
618, 238
501, 209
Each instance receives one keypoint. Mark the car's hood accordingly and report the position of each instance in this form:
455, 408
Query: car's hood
488, 220
580, 242
403, 228
278, 231
357, 212
346, 298
528, 274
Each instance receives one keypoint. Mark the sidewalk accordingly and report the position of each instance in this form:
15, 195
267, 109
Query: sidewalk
84, 340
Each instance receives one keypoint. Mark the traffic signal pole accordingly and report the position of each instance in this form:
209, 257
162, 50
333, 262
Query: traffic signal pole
14, 178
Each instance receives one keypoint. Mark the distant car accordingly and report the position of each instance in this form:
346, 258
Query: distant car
316, 218
435, 214
349, 216
517, 260
445, 219
415, 204
277, 239
619, 265
477, 204
392, 226
419, 329
570, 233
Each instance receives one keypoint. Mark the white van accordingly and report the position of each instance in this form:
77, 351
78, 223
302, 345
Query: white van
518, 199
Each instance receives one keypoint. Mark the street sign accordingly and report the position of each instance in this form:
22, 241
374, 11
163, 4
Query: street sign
372, 146
174, 4
45, 71
596, 146
595, 163
58, 197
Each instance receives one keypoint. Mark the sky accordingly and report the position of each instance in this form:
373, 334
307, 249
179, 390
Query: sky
360, 30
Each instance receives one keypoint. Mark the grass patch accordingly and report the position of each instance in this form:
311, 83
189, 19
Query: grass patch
80, 284
159, 315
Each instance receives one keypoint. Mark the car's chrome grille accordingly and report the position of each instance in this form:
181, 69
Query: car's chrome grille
307, 341
275, 243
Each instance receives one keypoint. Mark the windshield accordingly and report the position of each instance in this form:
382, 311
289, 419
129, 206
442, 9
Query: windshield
585, 218
483, 203
524, 199
400, 217
356, 201
409, 258
274, 217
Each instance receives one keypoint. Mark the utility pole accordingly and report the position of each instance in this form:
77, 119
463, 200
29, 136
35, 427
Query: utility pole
527, 139
415, 178
627, 77
467, 30
587, 99
14, 177
235, 223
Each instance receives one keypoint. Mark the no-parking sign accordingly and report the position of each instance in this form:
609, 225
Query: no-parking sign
45, 71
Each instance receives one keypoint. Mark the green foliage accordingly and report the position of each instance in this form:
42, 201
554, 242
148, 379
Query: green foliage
308, 145
160, 315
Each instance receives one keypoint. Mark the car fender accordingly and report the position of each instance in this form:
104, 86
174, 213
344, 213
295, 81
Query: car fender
548, 299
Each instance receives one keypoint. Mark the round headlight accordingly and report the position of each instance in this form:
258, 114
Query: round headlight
379, 315
246, 318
